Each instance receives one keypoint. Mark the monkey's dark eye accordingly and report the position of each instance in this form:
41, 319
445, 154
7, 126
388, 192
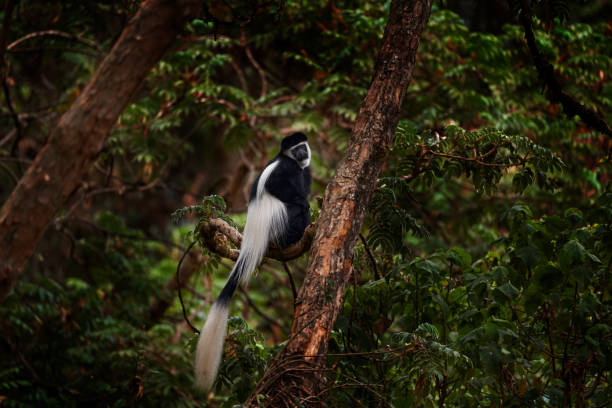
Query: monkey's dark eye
300, 153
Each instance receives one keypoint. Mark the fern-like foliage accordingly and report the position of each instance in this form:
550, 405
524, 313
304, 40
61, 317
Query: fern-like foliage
483, 156
212, 206
391, 220
431, 357
419, 160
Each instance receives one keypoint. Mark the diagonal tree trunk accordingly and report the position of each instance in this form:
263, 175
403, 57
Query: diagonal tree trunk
81, 132
295, 375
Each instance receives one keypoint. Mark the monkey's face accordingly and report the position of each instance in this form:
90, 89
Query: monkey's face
300, 153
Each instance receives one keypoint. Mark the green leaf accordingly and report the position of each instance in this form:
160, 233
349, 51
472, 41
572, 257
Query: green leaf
548, 277
582, 274
571, 255
531, 256
508, 290
459, 257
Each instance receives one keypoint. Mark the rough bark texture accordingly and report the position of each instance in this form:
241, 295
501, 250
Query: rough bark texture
296, 374
81, 132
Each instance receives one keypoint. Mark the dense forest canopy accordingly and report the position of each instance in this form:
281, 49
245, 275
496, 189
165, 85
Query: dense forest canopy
481, 273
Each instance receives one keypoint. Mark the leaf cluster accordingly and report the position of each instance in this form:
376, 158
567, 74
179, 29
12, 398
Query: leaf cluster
527, 324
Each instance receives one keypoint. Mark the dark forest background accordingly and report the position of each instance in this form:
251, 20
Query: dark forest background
482, 272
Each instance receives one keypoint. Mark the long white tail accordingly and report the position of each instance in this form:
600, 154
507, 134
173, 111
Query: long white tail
266, 219
210, 346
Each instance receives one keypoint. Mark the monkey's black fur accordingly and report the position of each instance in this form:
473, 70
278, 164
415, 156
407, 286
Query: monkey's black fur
291, 184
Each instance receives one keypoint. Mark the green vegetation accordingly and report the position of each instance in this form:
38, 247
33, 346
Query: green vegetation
483, 276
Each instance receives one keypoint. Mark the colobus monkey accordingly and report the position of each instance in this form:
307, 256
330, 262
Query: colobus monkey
278, 211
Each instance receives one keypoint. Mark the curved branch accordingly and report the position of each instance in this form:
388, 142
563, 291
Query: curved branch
54, 33
260, 71
8, 171
547, 74
179, 285
216, 233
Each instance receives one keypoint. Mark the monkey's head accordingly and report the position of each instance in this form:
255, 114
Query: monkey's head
296, 147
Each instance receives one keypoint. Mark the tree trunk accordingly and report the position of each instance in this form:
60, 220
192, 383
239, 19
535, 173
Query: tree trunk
296, 374
81, 132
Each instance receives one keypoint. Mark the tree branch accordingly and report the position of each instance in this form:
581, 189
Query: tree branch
74, 144
547, 74
54, 33
192, 262
215, 235
370, 256
179, 285
257, 310
260, 71
4, 69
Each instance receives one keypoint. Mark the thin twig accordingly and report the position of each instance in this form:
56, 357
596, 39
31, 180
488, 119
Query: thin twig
54, 33
241, 78
260, 71
10, 172
291, 282
197, 294
54, 49
261, 313
146, 237
474, 159
104, 190
15, 159
353, 308
590, 393
7, 137
370, 256
9, 103
178, 287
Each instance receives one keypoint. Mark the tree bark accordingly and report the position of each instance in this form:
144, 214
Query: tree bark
296, 374
81, 132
